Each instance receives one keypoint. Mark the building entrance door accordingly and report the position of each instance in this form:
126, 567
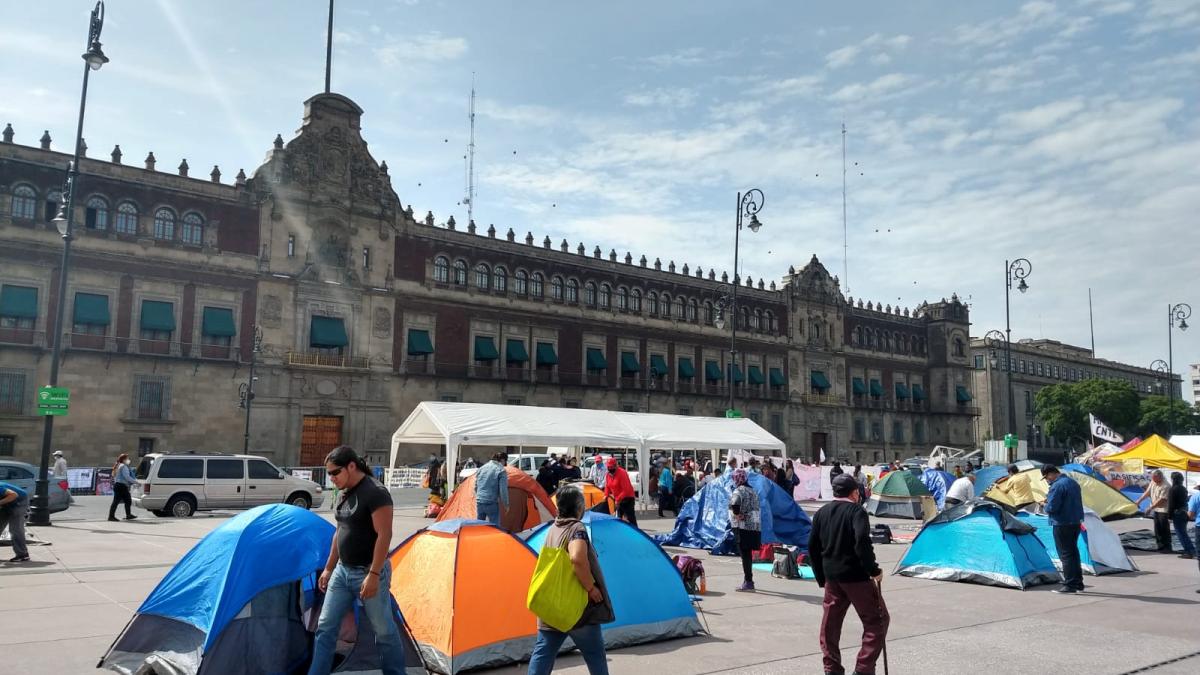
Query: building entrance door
321, 434
820, 441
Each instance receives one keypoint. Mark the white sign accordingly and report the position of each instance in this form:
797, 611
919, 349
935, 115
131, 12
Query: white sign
1102, 431
80, 479
306, 474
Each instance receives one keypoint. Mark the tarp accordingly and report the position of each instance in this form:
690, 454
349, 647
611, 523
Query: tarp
1098, 453
703, 521
1159, 453
1100, 549
458, 424
938, 482
979, 542
528, 503
461, 585
649, 600
1104, 499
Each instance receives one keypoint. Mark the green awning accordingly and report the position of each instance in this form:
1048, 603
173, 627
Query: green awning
735, 372
327, 331
217, 322
775, 375
658, 365
858, 387
19, 302
918, 392
514, 351
419, 343
901, 391
546, 355
629, 364
712, 371
485, 348
686, 370
818, 380
595, 359
962, 394
158, 315
756, 375
91, 309
876, 388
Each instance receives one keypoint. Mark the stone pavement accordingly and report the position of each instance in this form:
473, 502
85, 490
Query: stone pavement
60, 613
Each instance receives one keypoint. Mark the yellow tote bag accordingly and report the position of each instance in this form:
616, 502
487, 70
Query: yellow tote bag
555, 594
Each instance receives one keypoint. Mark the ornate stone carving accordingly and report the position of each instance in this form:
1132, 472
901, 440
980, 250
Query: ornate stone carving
381, 325
272, 311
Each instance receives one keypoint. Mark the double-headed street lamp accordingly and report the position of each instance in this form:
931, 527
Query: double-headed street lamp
93, 59
748, 206
1015, 272
1177, 314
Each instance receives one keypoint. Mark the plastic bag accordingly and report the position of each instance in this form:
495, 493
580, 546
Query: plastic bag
555, 594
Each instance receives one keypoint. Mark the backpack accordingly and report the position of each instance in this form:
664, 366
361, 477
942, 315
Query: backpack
881, 534
787, 563
764, 553
691, 571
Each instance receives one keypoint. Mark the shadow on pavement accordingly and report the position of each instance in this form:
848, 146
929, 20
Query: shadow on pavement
29, 564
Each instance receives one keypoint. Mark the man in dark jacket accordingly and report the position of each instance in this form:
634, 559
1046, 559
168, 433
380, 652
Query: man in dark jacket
1064, 508
843, 561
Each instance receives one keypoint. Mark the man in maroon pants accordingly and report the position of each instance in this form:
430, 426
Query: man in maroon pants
843, 561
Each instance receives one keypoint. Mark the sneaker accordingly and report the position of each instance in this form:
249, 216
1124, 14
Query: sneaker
1187, 556
131, 517
113, 519
20, 558
1065, 590
746, 587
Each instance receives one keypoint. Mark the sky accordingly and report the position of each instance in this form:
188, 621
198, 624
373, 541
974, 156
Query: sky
1067, 133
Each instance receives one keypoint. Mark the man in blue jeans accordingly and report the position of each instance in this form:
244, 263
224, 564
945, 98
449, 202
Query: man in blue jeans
357, 568
1193, 509
491, 489
1064, 506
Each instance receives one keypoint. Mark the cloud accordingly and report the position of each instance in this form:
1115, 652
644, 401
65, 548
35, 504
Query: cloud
1169, 16
802, 86
674, 97
1041, 117
1004, 31
689, 56
877, 44
426, 47
881, 86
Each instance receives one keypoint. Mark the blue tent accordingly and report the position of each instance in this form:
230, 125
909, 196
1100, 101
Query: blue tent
703, 521
648, 597
987, 477
236, 602
1100, 549
981, 543
938, 482
1082, 468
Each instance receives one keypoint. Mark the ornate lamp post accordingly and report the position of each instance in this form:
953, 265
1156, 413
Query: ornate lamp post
995, 341
748, 206
1179, 313
246, 389
93, 59
1015, 272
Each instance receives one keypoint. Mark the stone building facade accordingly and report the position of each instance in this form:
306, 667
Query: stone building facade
366, 310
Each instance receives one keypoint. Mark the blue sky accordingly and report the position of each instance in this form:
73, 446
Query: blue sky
1067, 133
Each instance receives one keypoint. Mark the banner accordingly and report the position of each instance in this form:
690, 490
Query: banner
104, 481
80, 479
1102, 431
809, 488
306, 474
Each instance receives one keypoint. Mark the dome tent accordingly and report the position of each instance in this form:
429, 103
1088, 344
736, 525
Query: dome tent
528, 503
703, 520
1108, 502
1100, 549
903, 495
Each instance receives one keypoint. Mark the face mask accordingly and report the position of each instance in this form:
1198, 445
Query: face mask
126, 462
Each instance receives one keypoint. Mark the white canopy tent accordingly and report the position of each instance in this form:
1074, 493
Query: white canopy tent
457, 424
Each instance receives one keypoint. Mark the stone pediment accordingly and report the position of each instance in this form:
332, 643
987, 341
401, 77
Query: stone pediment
815, 283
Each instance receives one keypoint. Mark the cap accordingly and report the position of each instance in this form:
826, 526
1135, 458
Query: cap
58, 453
612, 462
1049, 468
843, 485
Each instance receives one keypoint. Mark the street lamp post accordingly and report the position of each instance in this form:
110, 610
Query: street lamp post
748, 206
1178, 313
246, 390
994, 340
1164, 370
93, 59
1015, 270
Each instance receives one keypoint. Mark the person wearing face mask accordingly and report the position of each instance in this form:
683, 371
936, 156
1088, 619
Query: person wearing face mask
618, 487
123, 480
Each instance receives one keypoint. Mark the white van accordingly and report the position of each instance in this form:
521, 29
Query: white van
180, 485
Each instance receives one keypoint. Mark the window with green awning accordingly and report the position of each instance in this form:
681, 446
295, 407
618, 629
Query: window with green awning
546, 355
858, 387
485, 348
158, 316
735, 373
819, 381
712, 371
514, 351
756, 375
595, 359
91, 310
658, 365
876, 388
629, 364
961, 393
687, 370
18, 302
419, 343
901, 391
775, 376
918, 392
217, 322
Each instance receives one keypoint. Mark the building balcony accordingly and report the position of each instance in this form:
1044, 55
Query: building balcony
971, 410
332, 361
545, 376
23, 337
822, 399
135, 346
872, 403
417, 366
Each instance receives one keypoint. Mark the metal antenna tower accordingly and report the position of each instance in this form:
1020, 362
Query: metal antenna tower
845, 237
470, 198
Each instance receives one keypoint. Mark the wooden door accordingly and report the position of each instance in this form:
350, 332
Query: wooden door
820, 441
320, 435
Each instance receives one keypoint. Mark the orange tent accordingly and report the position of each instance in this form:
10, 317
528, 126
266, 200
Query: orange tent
528, 504
592, 496
461, 587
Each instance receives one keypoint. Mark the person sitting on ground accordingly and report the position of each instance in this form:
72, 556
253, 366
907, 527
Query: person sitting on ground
491, 489
14, 507
1017, 486
1177, 498
745, 518
619, 488
961, 491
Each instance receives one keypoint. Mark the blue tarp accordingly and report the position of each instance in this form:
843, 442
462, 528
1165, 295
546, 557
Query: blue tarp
987, 476
256, 550
1082, 468
703, 521
937, 482
649, 600
1133, 492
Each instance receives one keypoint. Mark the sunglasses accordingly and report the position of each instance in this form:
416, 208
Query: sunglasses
335, 472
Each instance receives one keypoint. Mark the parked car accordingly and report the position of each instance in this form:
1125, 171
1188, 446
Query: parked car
24, 476
627, 462
181, 484
528, 463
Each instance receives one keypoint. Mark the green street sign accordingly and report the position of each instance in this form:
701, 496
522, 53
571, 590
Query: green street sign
733, 413
1010, 440
53, 400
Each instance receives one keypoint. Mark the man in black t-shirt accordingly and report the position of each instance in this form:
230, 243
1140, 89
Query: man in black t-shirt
357, 567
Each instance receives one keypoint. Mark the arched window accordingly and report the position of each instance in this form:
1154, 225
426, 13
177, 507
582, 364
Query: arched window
521, 282
556, 287
54, 199
572, 290
127, 217
745, 318
681, 309
622, 298
770, 325
441, 264
164, 224
664, 305
652, 303
96, 214
709, 314
483, 277
888, 343
500, 280
856, 336
24, 202
756, 320
460, 272
605, 296
537, 285
960, 348
635, 301
193, 229
589, 294
693, 310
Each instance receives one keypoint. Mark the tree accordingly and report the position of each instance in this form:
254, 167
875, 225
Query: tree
1156, 412
1057, 406
1064, 408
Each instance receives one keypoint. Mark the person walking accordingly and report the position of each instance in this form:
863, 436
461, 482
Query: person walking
491, 489
1158, 491
1193, 513
1177, 500
123, 480
619, 488
961, 491
666, 485
586, 634
843, 562
60, 465
357, 569
14, 507
1064, 507
745, 518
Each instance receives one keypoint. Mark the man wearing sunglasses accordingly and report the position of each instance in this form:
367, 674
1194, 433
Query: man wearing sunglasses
357, 568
